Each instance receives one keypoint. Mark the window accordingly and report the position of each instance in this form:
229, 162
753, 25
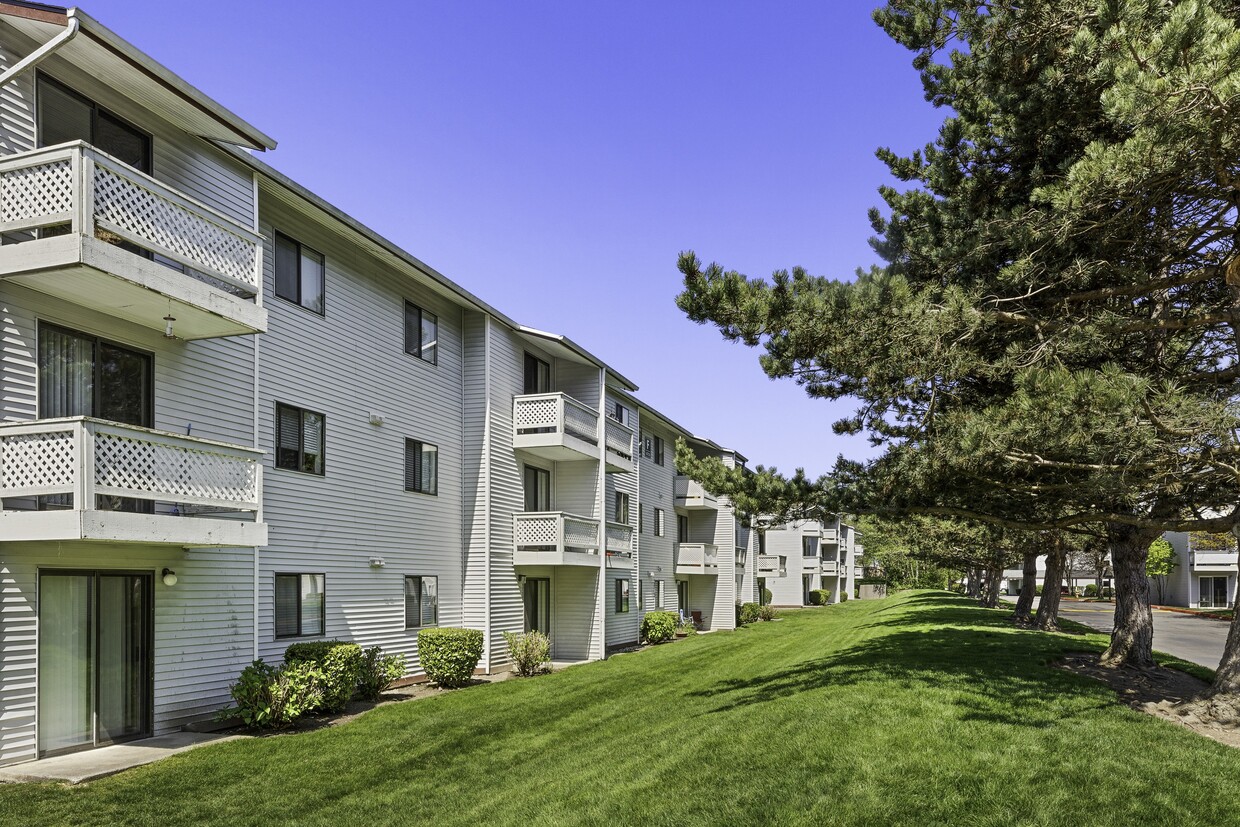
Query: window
299, 605
421, 601
622, 507
809, 546
641, 518
537, 489
421, 334
421, 467
64, 115
620, 414
537, 375
658, 522
762, 542
299, 439
658, 594
658, 450
622, 596
682, 528
81, 375
299, 274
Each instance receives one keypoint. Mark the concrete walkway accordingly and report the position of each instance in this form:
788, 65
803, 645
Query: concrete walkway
87, 765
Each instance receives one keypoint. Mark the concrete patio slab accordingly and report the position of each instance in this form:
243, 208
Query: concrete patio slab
88, 765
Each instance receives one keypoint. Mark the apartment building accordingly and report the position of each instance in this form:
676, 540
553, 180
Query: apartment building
811, 555
235, 418
1204, 576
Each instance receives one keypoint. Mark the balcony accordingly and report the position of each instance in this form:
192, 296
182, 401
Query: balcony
697, 558
554, 538
101, 234
88, 479
555, 426
830, 535
692, 496
858, 572
618, 541
769, 564
618, 438
810, 565
1214, 560
830, 568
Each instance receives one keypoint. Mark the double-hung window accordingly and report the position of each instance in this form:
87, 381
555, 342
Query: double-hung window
537, 378
299, 605
299, 439
421, 601
682, 528
658, 450
421, 467
421, 333
622, 507
299, 273
658, 522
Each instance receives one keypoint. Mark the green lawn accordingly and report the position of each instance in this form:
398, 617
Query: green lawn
919, 709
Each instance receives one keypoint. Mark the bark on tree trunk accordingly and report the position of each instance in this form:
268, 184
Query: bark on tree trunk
1132, 641
1028, 588
990, 587
974, 587
1227, 677
1048, 607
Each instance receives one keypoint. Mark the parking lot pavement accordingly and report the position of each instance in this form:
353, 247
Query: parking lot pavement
1195, 639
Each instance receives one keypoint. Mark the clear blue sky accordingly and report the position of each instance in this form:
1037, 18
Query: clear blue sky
555, 157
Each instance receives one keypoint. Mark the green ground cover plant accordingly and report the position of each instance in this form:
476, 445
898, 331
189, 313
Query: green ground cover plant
921, 708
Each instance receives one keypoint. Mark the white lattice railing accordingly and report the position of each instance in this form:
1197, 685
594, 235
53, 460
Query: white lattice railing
689, 493
554, 413
698, 555
554, 531
831, 568
619, 538
95, 194
768, 564
619, 438
86, 457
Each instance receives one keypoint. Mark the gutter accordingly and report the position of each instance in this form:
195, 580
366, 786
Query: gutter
38, 55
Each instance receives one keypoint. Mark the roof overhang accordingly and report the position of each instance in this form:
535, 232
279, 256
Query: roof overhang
104, 54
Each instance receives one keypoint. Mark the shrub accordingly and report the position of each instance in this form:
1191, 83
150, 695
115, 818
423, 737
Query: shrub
377, 672
338, 668
530, 651
685, 627
766, 612
449, 655
819, 597
1091, 589
843, 596
747, 613
658, 627
767, 597
270, 697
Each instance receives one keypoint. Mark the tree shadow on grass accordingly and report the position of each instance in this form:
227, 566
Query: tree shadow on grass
991, 671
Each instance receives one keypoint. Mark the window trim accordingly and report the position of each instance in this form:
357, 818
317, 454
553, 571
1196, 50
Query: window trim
627, 516
95, 109
97, 372
525, 376
301, 449
421, 443
659, 522
405, 587
422, 314
624, 590
275, 596
275, 291
658, 457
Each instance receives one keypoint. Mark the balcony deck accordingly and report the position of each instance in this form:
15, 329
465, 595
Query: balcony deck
1214, 561
554, 538
769, 564
697, 558
66, 209
201, 492
830, 568
555, 426
690, 495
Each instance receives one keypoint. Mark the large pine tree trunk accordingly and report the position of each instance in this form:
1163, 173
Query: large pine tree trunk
1132, 640
1048, 607
990, 586
974, 588
1227, 676
1028, 588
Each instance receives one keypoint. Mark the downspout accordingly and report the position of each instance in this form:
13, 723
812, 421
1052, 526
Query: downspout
37, 56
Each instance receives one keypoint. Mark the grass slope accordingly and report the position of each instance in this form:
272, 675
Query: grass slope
919, 709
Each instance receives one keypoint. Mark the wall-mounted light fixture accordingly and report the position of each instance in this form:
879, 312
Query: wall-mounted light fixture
376, 419
169, 577
377, 562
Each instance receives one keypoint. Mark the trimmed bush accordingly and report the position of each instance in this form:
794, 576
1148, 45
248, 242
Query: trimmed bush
659, 627
377, 672
767, 597
843, 596
530, 651
1091, 589
449, 656
748, 613
766, 612
819, 597
338, 668
272, 697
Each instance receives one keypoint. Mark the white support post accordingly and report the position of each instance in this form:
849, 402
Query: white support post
86, 193
84, 483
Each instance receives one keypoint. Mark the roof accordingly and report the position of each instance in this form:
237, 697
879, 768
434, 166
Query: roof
103, 53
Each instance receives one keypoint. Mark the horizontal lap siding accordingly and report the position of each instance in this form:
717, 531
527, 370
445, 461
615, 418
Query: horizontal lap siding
506, 354
347, 365
786, 541
574, 597
474, 480
16, 97
203, 629
625, 628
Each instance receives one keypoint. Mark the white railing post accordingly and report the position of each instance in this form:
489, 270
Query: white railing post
86, 192
84, 483
559, 524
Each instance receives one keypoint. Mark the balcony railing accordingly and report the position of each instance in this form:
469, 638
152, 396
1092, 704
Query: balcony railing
830, 568
1214, 559
98, 196
690, 494
619, 539
830, 535
769, 564
697, 558
618, 438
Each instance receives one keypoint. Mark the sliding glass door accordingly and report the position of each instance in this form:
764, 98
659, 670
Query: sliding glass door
538, 605
95, 638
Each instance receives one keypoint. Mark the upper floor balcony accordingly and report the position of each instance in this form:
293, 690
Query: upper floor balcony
769, 564
830, 568
89, 229
830, 535
555, 538
1214, 560
697, 558
692, 496
557, 427
79, 478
